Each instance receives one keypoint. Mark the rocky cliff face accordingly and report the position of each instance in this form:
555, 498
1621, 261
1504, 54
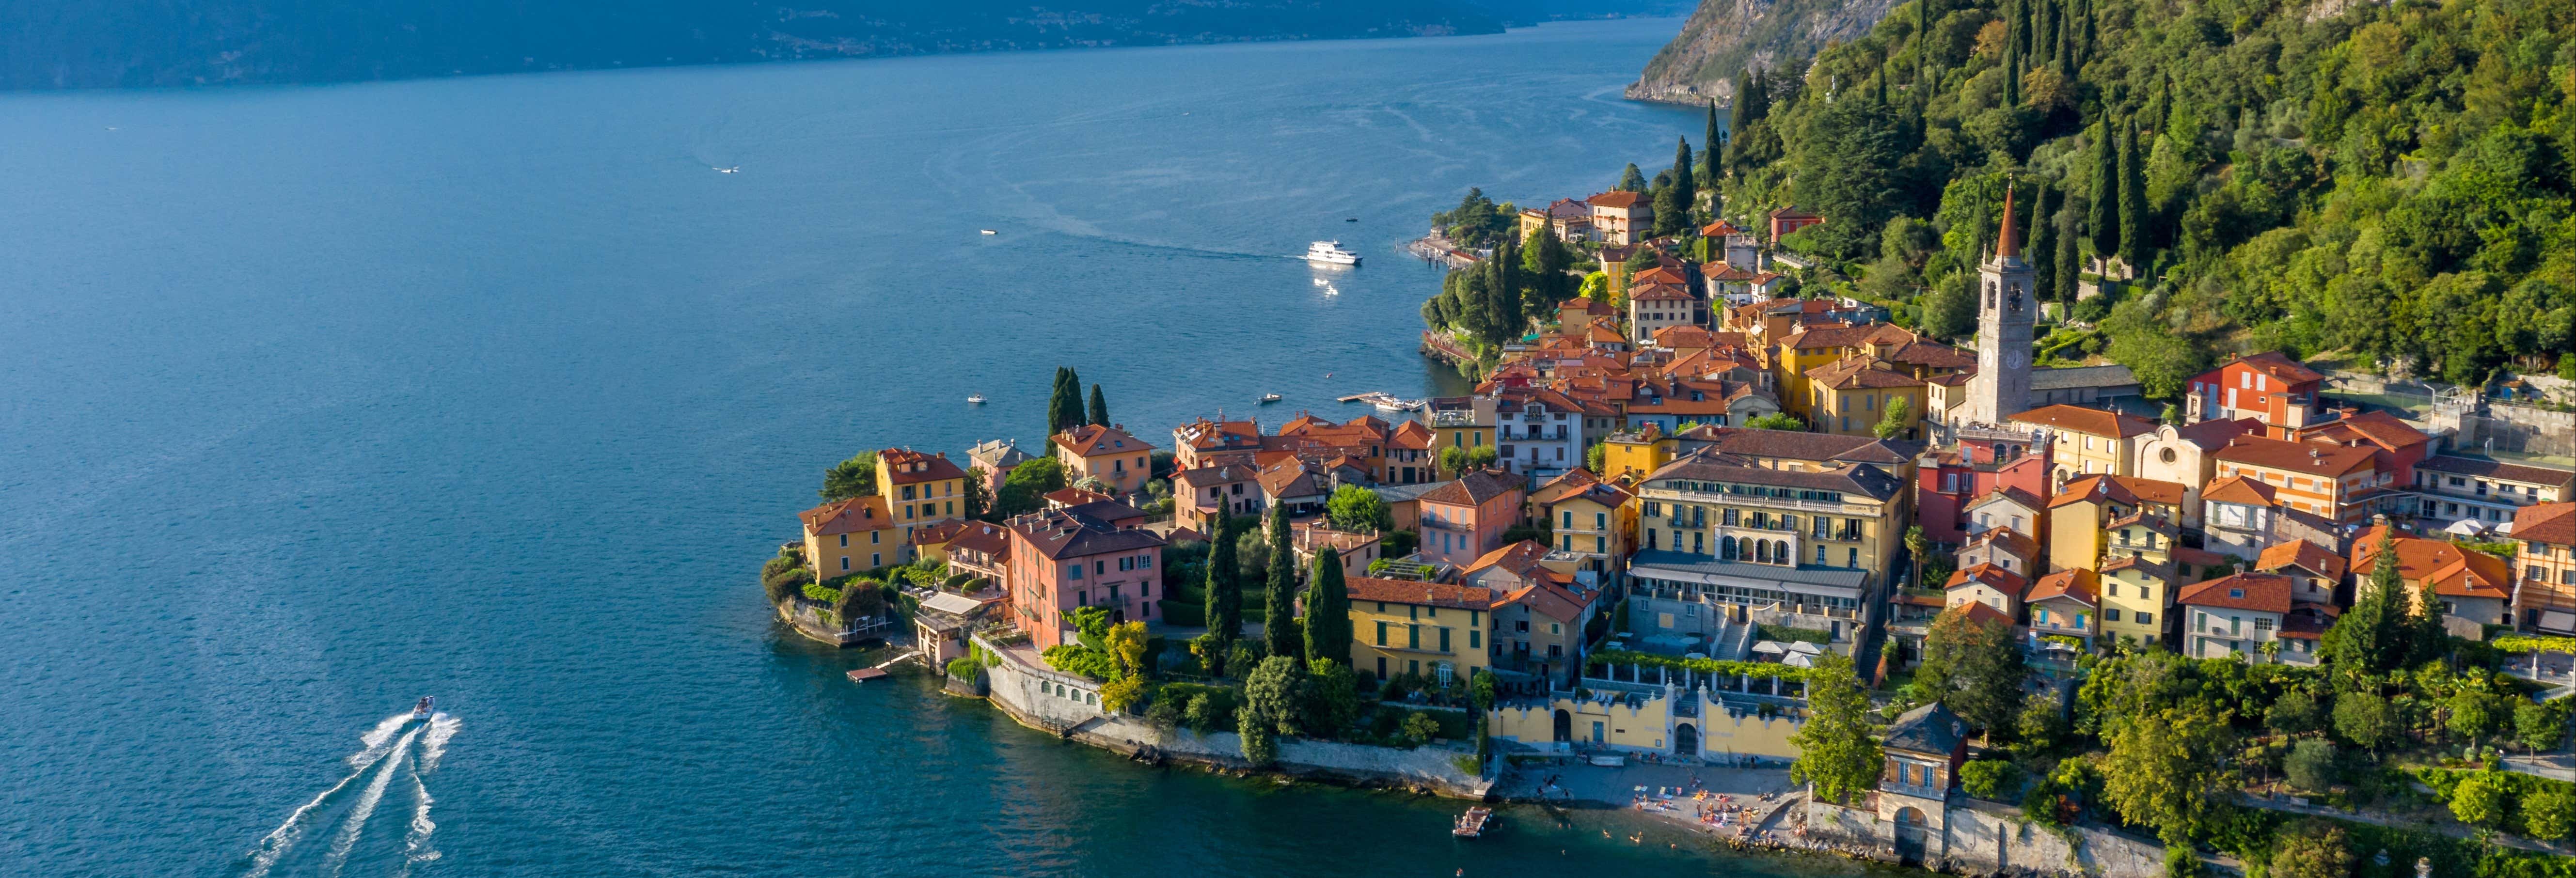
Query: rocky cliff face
1723, 37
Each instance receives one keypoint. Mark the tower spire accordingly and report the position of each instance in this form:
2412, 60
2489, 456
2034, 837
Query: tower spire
2010, 243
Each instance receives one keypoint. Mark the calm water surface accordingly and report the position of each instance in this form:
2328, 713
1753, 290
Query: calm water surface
316, 400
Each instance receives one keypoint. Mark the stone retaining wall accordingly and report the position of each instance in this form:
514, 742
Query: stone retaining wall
1984, 838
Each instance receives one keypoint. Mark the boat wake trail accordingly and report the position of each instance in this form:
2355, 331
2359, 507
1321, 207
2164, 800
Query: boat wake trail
398, 754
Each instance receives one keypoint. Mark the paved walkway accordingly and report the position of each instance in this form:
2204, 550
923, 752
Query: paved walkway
2377, 818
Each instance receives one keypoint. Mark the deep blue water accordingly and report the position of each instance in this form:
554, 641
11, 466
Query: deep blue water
315, 400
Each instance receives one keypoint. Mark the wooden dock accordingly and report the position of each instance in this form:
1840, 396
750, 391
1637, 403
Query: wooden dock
863, 675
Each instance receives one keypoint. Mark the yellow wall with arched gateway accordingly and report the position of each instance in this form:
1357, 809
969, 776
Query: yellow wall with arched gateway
1648, 725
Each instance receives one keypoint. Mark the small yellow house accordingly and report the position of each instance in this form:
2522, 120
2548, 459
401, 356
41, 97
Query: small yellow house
846, 536
920, 488
1584, 514
1632, 455
1108, 453
1437, 630
2137, 599
1849, 397
2079, 514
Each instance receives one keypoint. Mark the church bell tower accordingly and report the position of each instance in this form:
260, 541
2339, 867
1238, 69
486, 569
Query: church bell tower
2005, 312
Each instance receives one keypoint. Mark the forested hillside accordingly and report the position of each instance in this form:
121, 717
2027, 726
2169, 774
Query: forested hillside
2387, 185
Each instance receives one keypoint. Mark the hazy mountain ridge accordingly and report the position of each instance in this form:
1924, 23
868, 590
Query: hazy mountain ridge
1723, 37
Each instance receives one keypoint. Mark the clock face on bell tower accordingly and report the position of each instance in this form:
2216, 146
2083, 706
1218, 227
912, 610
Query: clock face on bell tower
2013, 360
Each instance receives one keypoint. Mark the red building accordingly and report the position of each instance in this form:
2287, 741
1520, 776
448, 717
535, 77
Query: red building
2268, 387
1790, 219
1061, 559
1985, 461
2400, 446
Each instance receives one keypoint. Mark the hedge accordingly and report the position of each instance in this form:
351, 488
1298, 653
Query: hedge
1183, 614
2528, 643
1711, 667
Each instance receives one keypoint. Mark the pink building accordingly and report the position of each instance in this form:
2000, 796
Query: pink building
1984, 462
1061, 559
1464, 519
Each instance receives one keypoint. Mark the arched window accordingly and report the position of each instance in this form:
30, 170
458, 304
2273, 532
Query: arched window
1780, 553
1990, 294
1762, 551
1726, 548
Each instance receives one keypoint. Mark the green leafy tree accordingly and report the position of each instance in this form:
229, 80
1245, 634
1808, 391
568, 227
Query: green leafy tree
2311, 848
1275, 693
1209, 711
855, 477
1279, 610
1685, 190
1260, 744
2549, 814
2294, 713
1025, 489
2366, 719
2310, 765
1897, 419
977, 498
2479, 800
2164, 771
1776, 421
1419, 728
2041, 724
1357, 509
1631, 180
1990, 779
2474, 715
1951, 310
1975, 667
1846, 170
2537, 728
2370, 637
1838, 751
1099, 406
1328, 610
1127, 643
1332, 698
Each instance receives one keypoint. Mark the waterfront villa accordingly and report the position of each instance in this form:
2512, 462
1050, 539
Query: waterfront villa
1121, 461
919, 489
847, 536
1200, 495
1060, 560
1433, 629
1462, 519
1621, 218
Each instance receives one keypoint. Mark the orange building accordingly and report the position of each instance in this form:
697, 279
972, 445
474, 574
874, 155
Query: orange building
1108, 453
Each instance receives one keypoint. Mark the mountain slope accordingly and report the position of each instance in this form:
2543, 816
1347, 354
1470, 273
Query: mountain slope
49, 44
1723, 37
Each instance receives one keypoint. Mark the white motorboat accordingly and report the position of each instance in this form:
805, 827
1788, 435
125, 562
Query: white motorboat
423, 709
1267, 398
1331, 253
976, 399
732, 170
988, 231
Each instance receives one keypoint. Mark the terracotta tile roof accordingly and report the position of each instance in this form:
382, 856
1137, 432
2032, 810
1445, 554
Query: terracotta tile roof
2008, 492
2148, 520
1616, 199
1985, 615
1109, 512
2011, 541
1474, 488
1212, 476
1719, 229
937, 533
1683, 335
2002, 580
2376, 427
2496, 470
1593, 307
2129, 490
2305, 458
1060, 534
1093, 439
1820, 335
1931, 354
1660, 292
2214, 433
2239, 490
983, 537
1579, 482
2199, 557
2280, 368
1412, 435
1860, 373
2138, 563
854, 515
1517, 557
904, 466
1724, 273
2303, 555
1207, 435
1072, 496
1793, 445
2079, 584
1568, 208
2546, 523
2454, 571
1291, 478
2262, 592
2096, 422
1428, 594
1658, 275
1548, 600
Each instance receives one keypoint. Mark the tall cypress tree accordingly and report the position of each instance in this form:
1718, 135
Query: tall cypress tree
1686, 189
1328, 610
1099, 407
1279, 617
2036, 247
1711, 141
1224, 594
2067, 269
2012, 66
1063, 408
2102, 222
2133, 201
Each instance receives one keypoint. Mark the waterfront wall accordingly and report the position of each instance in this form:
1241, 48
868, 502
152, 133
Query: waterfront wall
1971, 837
1069, 705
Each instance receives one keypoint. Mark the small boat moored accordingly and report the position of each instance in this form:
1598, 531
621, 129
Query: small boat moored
1267, 398
426, 706
1474, 823
975, 399
988, 231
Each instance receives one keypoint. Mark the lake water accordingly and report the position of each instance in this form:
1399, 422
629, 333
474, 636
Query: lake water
316, 400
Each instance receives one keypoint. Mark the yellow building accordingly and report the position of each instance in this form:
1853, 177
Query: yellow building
919, 488
1642, 718
1849, 397
2080, 513
1462, 422
1809, 347
2548, 560
1722, 534
1632, 455
2089, 441
847, 536
2137, 599
1437, 630
1121, 461
1584, 514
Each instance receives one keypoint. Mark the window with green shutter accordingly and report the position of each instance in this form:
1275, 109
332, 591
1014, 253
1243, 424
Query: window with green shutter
1381, 633
1444, 640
